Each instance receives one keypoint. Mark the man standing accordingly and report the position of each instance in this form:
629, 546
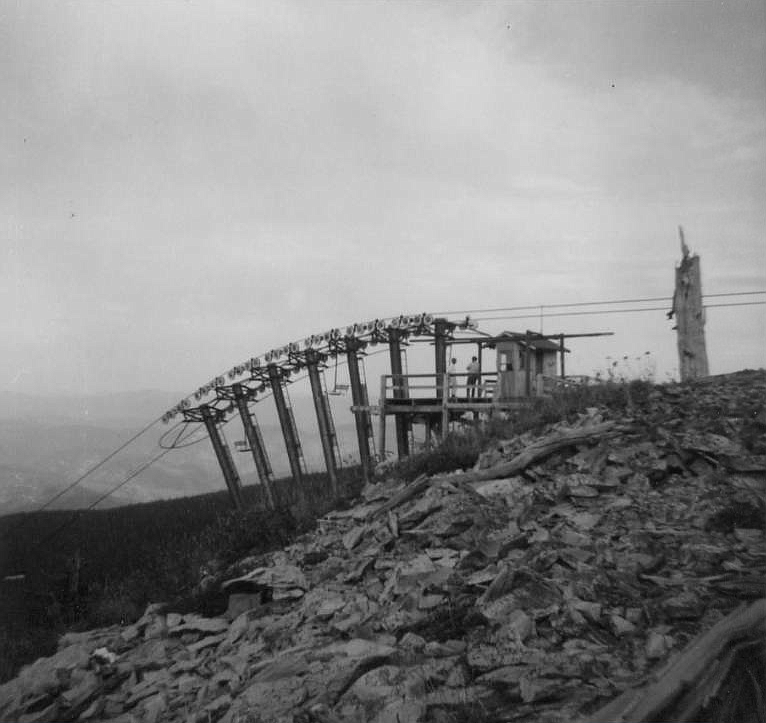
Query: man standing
474, 372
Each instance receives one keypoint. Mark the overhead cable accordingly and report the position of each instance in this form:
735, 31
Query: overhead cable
590, 303
96, 466
109, 493
608, 311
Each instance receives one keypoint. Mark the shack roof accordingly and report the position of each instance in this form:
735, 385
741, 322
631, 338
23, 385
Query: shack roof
534, 343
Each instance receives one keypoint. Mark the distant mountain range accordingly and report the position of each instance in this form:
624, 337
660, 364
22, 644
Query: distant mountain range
121, 410
48, 442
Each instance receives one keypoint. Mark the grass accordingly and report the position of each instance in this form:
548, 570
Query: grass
451, 622
101, 567
460, 450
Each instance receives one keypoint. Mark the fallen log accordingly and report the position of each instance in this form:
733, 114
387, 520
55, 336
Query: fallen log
535, 452
651, 701
418, 485
543, 448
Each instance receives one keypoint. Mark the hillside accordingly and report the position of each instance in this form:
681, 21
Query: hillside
119, 409
39, 459
568, 567
47, 442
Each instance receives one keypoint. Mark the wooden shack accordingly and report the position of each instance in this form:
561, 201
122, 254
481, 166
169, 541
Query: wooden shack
525, 362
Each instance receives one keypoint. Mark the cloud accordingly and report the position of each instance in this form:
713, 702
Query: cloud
194, 184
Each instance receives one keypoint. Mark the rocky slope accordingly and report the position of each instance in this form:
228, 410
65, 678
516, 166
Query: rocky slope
564, 570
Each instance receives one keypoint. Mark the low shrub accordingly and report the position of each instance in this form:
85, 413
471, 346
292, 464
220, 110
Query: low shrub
459, 450
101, 567
18, 650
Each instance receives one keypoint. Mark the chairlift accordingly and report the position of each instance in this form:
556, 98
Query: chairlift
337, 389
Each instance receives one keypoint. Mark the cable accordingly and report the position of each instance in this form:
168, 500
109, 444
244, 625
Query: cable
133, 474
609, 311
161, 441
175, 445
97, 465
735, 293
590, 303
741, 303
114, 489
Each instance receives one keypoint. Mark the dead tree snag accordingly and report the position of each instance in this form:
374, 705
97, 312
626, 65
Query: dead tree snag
690, 316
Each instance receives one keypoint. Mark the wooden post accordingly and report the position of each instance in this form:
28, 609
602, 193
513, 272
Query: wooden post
382, 419
690, 316
359, 399
400, 392
287, 423
324, 421
429, 441
481, 370
210, 417
440, 353
527, 370
255, 441
562, 351
445, 406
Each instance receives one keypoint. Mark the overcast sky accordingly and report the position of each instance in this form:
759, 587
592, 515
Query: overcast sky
189, 184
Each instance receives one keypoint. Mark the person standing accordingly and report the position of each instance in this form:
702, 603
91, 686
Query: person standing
474, 373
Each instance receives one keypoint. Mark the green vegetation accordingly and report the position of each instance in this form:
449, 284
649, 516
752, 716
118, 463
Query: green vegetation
460, 450
101, 567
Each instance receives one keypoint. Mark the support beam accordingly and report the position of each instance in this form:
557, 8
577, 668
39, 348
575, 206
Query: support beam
382, 420
210, 417
527, 370
441, 329
690, 316
289, 432
444, 381
395, 353
324, 422
255, 442
562, 351
359, 399
429, 440
479, 381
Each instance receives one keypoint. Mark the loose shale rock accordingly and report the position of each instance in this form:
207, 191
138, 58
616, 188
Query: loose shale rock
537, 595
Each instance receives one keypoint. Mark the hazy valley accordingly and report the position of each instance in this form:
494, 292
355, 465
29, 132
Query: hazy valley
46, 443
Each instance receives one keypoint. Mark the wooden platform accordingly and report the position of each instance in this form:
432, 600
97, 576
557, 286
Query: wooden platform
435, 406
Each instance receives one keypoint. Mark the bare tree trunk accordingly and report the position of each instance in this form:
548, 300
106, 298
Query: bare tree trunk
690, 316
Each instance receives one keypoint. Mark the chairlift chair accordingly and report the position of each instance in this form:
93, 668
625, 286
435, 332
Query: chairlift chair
337, 389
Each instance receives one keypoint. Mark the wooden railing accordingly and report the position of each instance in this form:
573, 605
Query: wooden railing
402, 386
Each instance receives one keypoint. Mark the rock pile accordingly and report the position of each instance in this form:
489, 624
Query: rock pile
563, 571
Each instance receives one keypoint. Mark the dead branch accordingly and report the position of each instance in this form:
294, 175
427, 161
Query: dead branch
541, 449
418, 485
700, 655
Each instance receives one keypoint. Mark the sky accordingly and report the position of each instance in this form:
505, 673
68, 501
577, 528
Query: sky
189, 184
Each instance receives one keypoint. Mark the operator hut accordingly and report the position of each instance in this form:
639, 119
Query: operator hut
527, 365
